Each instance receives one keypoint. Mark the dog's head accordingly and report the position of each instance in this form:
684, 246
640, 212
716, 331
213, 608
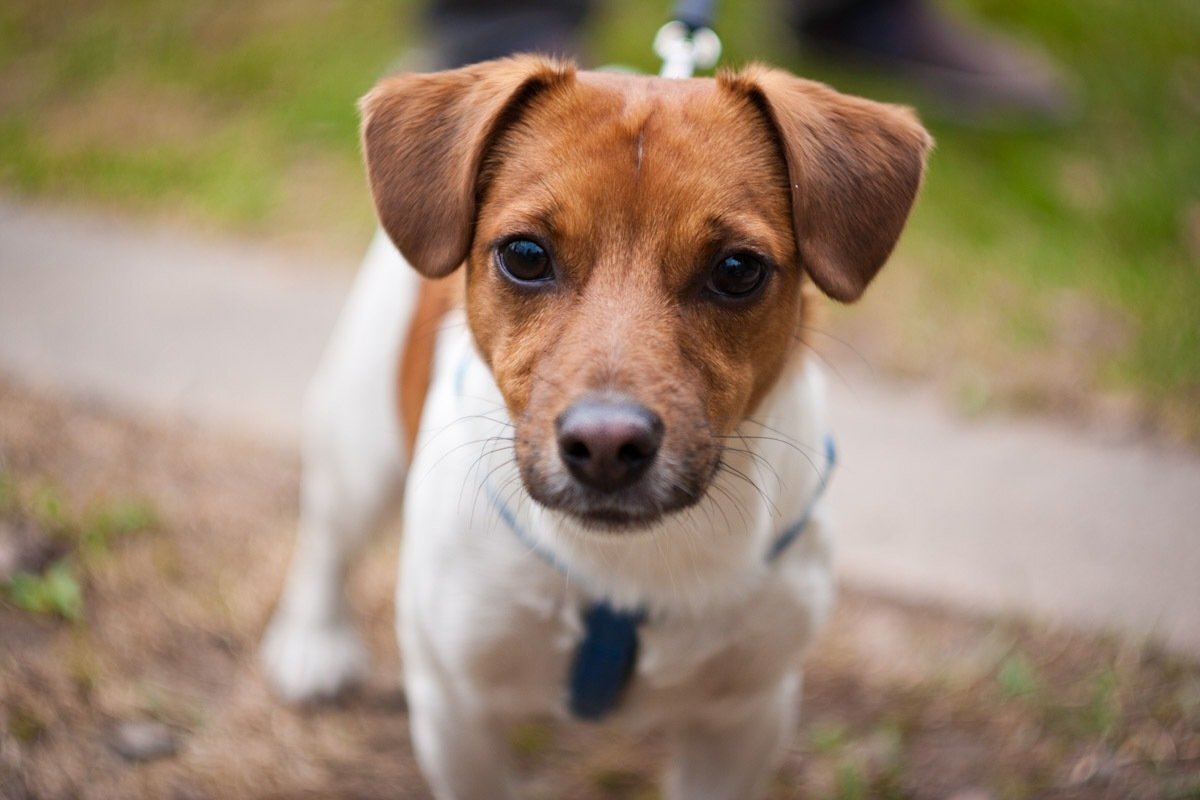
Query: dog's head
636, 250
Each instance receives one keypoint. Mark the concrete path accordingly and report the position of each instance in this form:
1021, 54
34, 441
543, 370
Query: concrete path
998, 516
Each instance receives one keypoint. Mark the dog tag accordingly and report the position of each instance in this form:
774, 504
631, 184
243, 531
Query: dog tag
604, 660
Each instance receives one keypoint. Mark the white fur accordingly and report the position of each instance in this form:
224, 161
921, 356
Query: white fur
354, 464
487, 626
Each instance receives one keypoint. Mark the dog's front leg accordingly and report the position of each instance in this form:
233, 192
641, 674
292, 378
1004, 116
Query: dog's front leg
734, 757
353, 472
462, 750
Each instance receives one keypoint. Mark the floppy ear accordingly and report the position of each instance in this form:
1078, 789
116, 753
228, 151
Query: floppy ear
424, 138
855, 167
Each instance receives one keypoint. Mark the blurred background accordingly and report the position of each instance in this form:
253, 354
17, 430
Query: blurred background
1049, 280
1063, 260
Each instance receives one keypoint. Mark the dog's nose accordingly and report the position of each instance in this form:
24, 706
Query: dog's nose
608, 443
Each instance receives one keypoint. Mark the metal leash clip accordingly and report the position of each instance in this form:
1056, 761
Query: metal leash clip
685, 47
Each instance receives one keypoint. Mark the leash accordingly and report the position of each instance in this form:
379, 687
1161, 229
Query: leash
687, 42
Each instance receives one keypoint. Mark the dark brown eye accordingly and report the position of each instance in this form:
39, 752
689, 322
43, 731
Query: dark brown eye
737, 276
525, 261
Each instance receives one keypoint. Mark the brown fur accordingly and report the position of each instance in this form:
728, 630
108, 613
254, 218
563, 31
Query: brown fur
637, 187
415, 371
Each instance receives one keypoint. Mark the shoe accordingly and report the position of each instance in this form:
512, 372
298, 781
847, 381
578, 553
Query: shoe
467, 31
970, 76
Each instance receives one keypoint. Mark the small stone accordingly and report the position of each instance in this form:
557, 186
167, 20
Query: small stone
143, 741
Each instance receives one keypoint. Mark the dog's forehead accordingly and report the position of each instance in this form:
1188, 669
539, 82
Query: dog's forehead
696, 123
641, 153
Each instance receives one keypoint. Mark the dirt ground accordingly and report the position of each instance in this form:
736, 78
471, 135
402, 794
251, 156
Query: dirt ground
900, 701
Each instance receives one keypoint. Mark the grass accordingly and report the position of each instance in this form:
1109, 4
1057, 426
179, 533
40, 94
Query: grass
1106, 208
62, 543
229, 115
1054, 717
1041, 266
55, 591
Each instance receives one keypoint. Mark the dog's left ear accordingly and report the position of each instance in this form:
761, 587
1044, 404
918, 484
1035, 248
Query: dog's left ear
424, 138
854, 166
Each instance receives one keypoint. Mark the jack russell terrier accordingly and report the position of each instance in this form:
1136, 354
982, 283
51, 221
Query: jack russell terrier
611, 445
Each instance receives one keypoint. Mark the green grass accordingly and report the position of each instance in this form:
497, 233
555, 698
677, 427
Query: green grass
1103, 207
215, 113
1041, 266
83, 537
1016, 676
55, 591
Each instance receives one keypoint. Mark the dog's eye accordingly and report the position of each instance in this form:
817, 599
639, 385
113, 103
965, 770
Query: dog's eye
525, 261
737, 276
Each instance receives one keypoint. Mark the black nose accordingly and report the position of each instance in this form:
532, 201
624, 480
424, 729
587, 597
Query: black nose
607, 443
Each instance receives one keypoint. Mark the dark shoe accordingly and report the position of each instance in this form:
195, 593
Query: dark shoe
467, 31
973, 77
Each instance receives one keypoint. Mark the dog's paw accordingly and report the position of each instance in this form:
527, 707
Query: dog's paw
307, 663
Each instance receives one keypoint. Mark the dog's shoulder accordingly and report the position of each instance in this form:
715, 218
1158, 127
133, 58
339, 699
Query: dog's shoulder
435, 299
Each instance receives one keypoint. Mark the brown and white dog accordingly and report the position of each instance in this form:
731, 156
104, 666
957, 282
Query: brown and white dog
626, 417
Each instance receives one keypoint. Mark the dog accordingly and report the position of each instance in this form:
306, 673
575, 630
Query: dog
593, 392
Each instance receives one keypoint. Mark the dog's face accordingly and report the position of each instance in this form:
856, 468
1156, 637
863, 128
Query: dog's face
636, 250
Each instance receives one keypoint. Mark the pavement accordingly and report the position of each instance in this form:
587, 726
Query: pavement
1072, 527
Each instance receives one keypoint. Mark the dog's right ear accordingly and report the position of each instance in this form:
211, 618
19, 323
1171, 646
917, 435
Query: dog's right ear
855, 167
424, 138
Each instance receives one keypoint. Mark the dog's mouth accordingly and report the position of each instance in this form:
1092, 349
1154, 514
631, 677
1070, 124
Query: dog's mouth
654, 497
616, 520
623, 517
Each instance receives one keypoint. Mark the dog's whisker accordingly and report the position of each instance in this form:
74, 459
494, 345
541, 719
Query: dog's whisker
734, 502
782, 436
716, 486
512, 490
832, 367
759, 462
745, 439
509, 495
689, 539
432, 469
805, 329
479, 489
806, 451
492, 403
710, 517
484, 443
479, 463
666, 562
737, 473
428, 436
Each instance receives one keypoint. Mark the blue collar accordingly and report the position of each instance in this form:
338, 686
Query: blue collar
791, 532
606, 656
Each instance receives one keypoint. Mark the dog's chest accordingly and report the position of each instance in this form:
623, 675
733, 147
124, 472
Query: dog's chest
524, 642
